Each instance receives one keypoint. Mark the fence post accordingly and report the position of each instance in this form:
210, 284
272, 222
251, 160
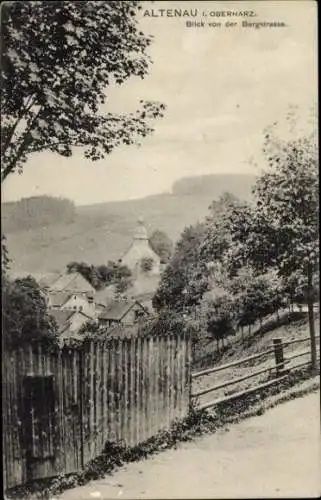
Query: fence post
279, 356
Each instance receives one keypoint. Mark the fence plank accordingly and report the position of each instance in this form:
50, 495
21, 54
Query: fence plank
145, 384
180, 374
167, 376
133, 391
113, 388
148, 388
87, 359
140, 390
126, 433
103, 394
122, 395
109, 389
184, 371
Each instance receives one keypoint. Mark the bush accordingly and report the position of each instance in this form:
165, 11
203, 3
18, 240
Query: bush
146, 264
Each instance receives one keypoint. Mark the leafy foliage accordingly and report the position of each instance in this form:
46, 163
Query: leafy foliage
103, 275
220, 317
167, 323
287, 214
146, 264
90, 329
260, 255
182, 284
223, 242
255, 296
286, 211
162, 245
58, 60
25, 317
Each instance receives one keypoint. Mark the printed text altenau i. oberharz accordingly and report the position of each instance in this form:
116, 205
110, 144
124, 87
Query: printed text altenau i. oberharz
196, 13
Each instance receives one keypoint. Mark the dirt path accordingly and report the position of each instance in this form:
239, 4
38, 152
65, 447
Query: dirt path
273, 455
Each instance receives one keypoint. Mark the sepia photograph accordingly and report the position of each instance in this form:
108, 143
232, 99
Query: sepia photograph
160, 250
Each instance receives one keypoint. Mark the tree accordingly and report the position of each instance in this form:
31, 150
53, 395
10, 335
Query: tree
25, 316
123, 284
284, 229
5, 260
162, 245
146, 264
183, 284
91, 329
101, 276
58, 59
222, 244
255, 296
220, 317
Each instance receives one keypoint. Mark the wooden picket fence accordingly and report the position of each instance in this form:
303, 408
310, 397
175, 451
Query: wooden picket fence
60, 408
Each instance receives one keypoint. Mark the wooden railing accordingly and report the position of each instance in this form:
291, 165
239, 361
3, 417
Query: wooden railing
282, 365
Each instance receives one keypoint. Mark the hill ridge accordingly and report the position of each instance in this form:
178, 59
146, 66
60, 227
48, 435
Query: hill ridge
100, 232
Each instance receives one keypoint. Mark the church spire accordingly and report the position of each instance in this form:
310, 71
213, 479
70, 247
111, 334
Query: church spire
141, 232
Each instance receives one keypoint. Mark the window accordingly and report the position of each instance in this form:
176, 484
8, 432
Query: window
139, 314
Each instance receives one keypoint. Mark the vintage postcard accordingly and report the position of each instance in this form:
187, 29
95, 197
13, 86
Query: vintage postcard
160, 249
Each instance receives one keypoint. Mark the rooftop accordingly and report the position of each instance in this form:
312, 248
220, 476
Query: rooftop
117, 309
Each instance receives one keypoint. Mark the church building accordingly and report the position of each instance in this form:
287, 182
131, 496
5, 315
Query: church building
140, 258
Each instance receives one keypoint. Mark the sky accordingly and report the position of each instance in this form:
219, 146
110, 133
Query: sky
221, 86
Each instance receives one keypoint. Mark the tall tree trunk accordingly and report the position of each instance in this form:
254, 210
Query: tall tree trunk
311, 320
242, 333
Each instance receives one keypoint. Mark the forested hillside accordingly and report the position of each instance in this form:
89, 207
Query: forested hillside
37, 211
47, 241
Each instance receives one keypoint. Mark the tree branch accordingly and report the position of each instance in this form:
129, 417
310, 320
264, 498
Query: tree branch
11, 166
24, 109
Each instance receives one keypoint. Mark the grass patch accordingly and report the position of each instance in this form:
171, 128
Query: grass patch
197, 423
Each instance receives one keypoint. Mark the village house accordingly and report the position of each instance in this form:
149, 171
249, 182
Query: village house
122, 312
68, 282
69, 292
69, 322
71, 301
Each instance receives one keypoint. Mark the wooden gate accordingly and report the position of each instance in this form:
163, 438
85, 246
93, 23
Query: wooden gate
38, 425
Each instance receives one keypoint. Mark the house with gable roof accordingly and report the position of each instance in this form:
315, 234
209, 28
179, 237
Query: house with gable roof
69, 291
69, 282
122, 312
69, 322
70, 301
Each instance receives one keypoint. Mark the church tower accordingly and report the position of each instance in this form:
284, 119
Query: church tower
140, 257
